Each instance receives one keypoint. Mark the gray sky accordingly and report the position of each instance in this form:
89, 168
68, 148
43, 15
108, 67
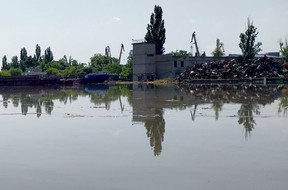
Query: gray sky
83, 28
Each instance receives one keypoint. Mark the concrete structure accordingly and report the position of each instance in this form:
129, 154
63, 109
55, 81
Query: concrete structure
144, 61
147, 66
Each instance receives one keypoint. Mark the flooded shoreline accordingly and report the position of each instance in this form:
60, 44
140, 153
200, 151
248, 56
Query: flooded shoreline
156, 137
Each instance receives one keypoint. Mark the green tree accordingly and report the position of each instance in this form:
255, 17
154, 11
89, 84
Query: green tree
70, 72
53, 71
15, 72
48, 55
23, 58
30, 62
98, 62
14, 62
23, 54
5, 65
156, 30
219, 50
113, 68
284, 50
4, 73
37, 53
247, 42
181, 53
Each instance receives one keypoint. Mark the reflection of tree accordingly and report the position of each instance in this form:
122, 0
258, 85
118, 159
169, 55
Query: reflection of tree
43, 99
38, 110
217, 107
283, 105
15, 101
24, 109
111, 95
67, 95
155, 131
48, 104
26, 101
101, 98
245, 115
5, 101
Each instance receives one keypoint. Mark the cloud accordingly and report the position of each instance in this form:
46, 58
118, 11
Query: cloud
114, 20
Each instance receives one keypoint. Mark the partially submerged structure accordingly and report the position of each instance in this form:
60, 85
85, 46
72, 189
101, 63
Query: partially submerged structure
147, 66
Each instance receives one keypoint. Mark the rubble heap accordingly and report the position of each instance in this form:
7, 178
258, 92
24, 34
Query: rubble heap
234, 69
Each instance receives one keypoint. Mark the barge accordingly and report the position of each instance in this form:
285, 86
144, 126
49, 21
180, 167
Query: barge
32, 80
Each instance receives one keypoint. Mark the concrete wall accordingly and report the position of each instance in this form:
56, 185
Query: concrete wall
144, 62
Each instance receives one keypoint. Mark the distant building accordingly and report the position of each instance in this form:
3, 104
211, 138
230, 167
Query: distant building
147, 66
35, 72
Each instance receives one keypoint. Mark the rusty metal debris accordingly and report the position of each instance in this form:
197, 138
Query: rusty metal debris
234, 69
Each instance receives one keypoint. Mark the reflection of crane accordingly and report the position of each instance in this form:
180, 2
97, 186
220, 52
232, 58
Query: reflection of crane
193, 40
107, 51
121, 51
121, 105
194, 112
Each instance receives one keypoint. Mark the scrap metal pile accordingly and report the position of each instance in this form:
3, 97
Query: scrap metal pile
234, 69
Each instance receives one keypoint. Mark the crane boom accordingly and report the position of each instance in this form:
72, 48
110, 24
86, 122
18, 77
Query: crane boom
121, 51
193, 40
107, 51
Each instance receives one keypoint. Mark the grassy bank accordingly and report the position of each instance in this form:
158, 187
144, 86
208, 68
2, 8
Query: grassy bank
167, 81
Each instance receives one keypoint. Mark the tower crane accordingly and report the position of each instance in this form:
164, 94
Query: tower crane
107, 51
193, 40
121, 51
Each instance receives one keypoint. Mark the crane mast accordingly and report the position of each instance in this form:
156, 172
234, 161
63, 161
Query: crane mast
107, 51
193, 40
121, 51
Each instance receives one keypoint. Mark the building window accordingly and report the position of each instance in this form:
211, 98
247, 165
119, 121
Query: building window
175, 63
182, 63
140, 78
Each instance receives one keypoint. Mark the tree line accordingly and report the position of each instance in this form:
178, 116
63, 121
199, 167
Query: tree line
64, 67
156, 34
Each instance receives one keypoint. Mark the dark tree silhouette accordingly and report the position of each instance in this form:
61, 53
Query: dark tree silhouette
156, 30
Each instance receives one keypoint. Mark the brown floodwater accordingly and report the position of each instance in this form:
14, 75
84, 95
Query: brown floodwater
208, 137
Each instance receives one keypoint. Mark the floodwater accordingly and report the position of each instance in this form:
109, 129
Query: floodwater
144, 137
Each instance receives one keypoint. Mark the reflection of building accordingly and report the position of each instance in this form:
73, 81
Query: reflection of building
147, 99
149, 102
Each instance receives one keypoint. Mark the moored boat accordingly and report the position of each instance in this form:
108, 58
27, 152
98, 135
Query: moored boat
94, 78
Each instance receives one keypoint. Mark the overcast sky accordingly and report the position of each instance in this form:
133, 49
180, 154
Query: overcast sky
81, 28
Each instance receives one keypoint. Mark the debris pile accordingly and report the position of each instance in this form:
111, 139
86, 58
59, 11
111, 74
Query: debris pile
234, 69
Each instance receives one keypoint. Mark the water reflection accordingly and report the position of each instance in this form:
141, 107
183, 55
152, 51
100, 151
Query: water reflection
40, 98
245, 115
283, 105
150, 102
155, 127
